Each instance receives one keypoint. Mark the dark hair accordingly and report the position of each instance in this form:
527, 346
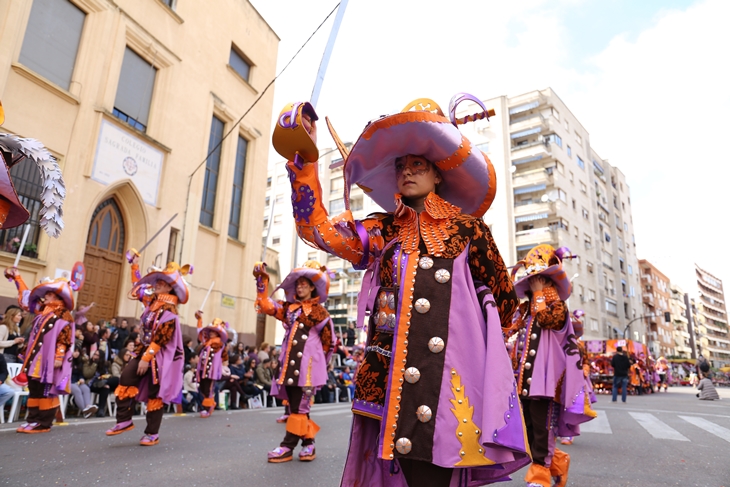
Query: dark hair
619, 349
266, 361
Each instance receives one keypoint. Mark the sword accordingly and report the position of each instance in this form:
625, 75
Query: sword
327, 53
22, 246
206, 296
133, 252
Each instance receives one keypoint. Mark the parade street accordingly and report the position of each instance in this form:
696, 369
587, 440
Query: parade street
657, 440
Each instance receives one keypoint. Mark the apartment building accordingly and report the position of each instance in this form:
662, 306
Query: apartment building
131, 96
682, 331
712, 318
554, 188
655, 297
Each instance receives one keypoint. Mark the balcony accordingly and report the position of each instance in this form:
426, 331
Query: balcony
527, 178
525, 103
648, 298
535, 236
530, 150
533, 209
519, 124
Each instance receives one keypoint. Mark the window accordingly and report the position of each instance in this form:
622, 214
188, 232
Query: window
337, 206
594, 324
28, 184
134, 93
589, 266
239, 174
239, 64
580, 162
621, 264
626, 227
587, 241
555, 113
562, 196
268, 201
559, 166
276, 240
356, 204
555, 139
570, 151
583, 187
611, 307
591, 295
585, 213
279, 199
48, 49
212, 166
172, 245
277, 219
282, 179
567, 126
312, 256
170, 3
578, 139
484, 146
572, 177
337, 184
631, 270
268, 182
574, 203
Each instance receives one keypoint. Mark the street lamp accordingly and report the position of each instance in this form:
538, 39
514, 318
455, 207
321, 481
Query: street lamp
651, 315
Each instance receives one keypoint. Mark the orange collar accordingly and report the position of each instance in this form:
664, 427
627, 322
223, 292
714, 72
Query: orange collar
305, 305
56, 307
162, 300
434, 222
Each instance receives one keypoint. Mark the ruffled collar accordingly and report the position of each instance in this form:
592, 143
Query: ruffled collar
434, 222
306, 305
164, 299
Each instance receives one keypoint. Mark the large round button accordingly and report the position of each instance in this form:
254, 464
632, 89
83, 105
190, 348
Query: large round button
424, 414
289, 382
390, 320
436, 344
532, 353
403, 445
528, 365
442, 276
382, 316
533, 336
383, 299
412, 375
425, 262
292, 362
524, 392
423, 305
391, 300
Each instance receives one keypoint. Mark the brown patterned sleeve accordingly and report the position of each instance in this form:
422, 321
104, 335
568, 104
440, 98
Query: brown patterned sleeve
64, 338
326, 338
553, 316
488, 267
164, 332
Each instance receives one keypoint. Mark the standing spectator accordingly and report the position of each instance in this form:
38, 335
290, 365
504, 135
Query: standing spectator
263, 352
105, 351
350, 335
80, 315
253, 354
10, 336
189, 349
120, 335
264, 376
621, 365
6, 392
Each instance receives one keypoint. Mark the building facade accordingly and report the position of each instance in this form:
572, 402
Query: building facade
553, 187
681, 327
712, 319
655, 297
132, 96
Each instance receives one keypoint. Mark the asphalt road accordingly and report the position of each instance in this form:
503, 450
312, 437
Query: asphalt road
658, 440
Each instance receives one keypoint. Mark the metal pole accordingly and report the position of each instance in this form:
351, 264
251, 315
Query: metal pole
327, 53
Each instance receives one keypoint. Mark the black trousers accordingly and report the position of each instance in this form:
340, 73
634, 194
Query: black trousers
125, 406
295, 398
41, 409
536, 413
419, 474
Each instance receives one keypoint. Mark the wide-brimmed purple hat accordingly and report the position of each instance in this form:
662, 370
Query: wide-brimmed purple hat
421, 128
545, 261
173, 275
62, 288
312, 270
219, 326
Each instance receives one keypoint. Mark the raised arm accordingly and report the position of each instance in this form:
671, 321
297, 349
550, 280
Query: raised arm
23, 292
264, 303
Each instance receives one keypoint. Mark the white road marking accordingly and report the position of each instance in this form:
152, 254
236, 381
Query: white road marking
656, 428
709, 426
597, 425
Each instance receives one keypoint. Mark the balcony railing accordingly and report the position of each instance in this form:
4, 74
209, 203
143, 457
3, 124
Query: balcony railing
531, 177
535, 236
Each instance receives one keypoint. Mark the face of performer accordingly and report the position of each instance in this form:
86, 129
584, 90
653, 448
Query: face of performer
304, 289
416, 176
51, 297
213, 334
162, 287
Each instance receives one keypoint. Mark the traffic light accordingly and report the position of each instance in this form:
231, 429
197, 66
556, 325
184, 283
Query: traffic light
667, 317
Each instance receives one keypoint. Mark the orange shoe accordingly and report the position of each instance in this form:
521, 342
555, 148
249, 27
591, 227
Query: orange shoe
32, 429
120, 428
559, 468
538, 476
149, 440
566, 441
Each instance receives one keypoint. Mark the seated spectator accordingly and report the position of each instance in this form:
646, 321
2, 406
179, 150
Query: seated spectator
348, 380
91, 337
99, 380
264, 377
6, 392
188, 348
119, 362
240, 349
232, 382
707, 390
10, 337
79, 388
190, 387
264, 352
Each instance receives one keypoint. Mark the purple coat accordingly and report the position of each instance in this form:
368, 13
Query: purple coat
170, 363
477, 387
59, 379
210, 365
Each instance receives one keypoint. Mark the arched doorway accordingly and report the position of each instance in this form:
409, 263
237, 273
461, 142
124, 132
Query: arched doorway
103, 260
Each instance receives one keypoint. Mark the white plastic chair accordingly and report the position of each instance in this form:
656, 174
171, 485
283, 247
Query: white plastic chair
337, 394
13, 370
222, 399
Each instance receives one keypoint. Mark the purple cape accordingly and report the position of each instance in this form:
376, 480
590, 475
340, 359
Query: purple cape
170, 363
59, 379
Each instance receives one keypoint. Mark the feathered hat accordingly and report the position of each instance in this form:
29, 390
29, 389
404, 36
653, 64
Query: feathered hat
219, 326
14, 149
173, 275
61, 286
421, 128
312, 270
545, 261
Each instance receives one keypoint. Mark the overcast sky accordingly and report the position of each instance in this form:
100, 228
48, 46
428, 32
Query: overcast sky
648, 79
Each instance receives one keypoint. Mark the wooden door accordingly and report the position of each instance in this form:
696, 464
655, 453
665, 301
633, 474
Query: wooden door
103, 260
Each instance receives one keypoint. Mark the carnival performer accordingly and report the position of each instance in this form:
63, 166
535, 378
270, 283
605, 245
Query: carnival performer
577, 321
155, 374
47, 358
213, 356
307, 348
663, 373
435, 400
548, 364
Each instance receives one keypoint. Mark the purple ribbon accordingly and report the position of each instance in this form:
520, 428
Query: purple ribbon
457, 99
365, 239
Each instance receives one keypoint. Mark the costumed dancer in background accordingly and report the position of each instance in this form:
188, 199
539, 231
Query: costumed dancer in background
548, 364
577, 320
155, 374
307, 348
213, 356
47, 357
435, 399
664, 374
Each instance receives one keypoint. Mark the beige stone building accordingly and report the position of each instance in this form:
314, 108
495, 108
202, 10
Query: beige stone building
131, 96
656, 296
711, 319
